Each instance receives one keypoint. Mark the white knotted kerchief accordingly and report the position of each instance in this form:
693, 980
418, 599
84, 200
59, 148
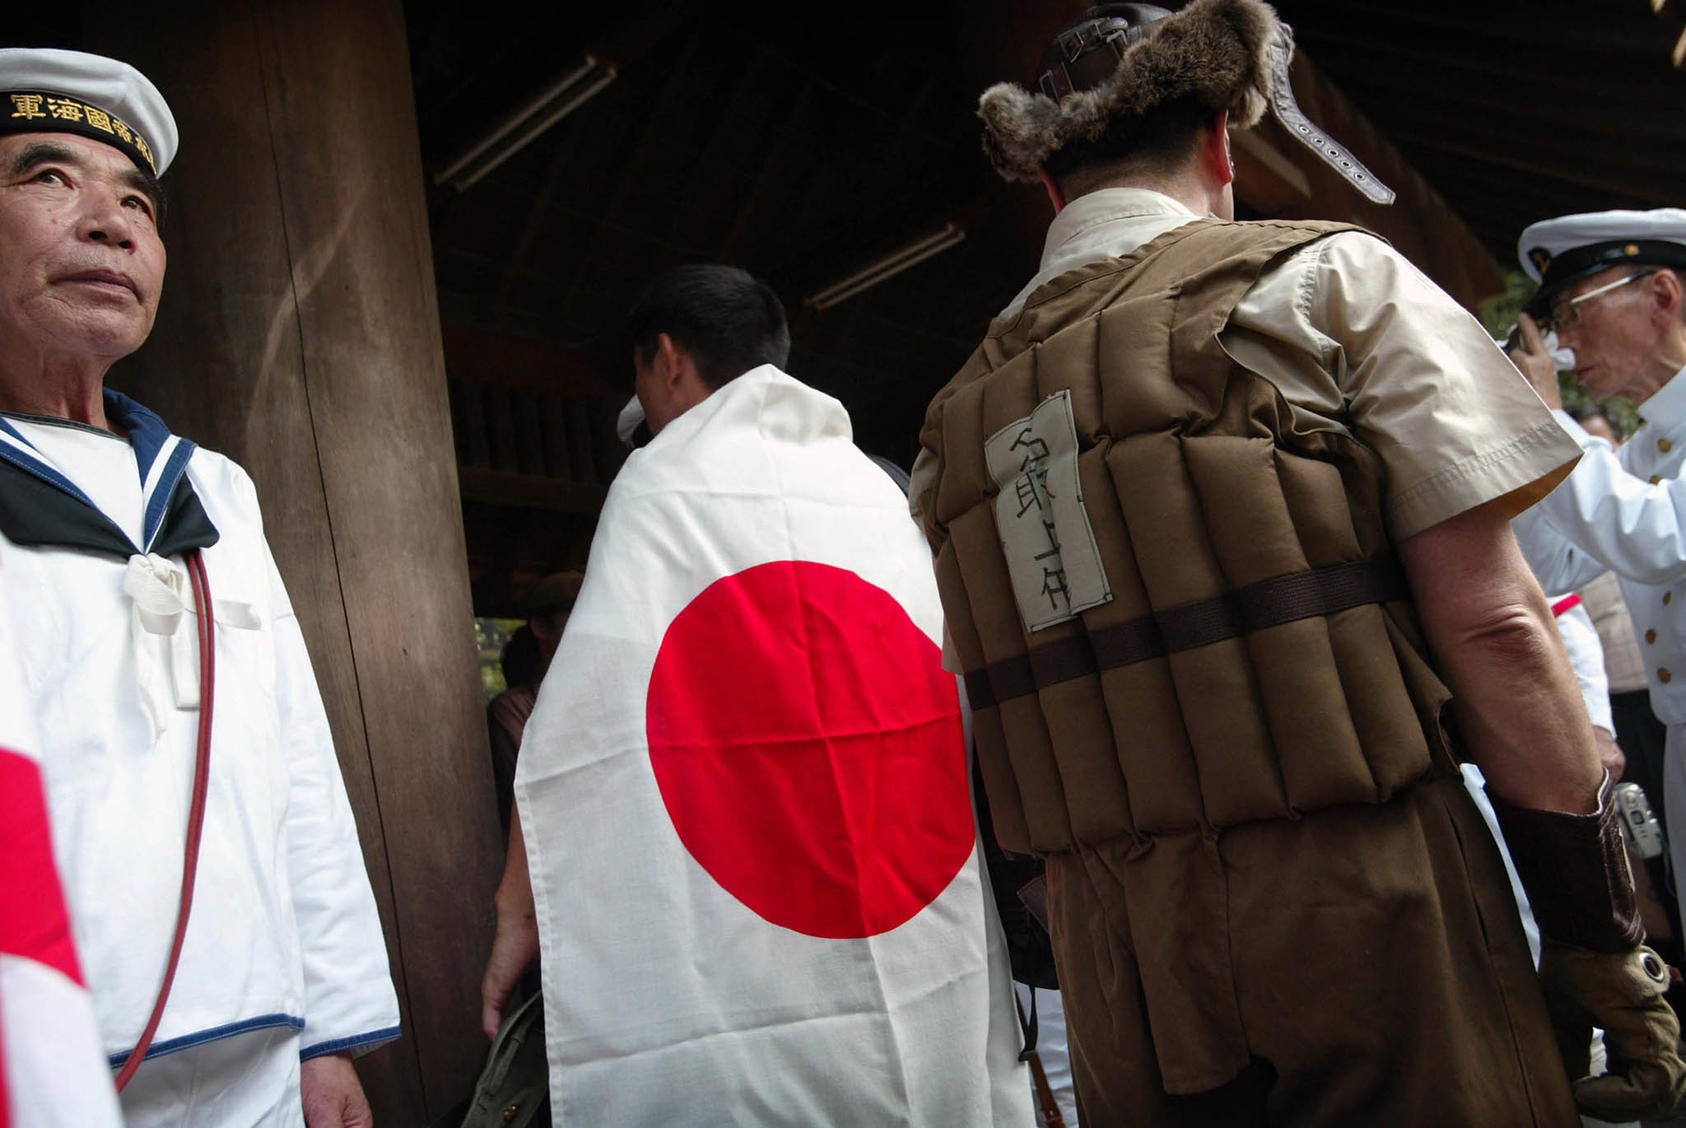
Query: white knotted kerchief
161, 600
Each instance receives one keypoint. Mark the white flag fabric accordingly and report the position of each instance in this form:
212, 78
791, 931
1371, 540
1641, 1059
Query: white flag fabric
745, 798
53, 1073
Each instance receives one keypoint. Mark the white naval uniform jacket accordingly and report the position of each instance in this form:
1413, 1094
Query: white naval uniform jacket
284, 930
1625, 511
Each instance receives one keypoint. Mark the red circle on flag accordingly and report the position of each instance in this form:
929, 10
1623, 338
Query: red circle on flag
808, 747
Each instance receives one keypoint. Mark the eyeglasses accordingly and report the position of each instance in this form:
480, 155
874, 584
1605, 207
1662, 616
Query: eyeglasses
1564, 316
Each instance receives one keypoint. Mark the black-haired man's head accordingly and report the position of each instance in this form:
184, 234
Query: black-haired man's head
696, 328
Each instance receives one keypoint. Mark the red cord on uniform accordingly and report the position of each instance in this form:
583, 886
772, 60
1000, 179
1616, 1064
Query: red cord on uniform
196, 814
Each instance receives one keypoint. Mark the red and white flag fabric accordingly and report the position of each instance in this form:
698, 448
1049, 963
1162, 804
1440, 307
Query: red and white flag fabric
745, 797
53, 1073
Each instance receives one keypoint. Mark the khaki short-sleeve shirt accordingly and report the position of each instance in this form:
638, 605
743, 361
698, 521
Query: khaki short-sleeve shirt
1360, 341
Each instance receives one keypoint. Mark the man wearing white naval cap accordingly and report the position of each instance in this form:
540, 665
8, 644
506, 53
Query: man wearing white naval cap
1611, 289
212, 868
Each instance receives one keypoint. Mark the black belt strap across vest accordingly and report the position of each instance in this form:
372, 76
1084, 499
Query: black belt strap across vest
1269, 603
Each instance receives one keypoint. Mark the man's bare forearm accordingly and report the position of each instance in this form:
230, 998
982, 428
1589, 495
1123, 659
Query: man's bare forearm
1515, 698
516, 944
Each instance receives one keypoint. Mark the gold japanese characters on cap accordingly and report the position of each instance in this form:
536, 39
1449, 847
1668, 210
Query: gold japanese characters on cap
60, 113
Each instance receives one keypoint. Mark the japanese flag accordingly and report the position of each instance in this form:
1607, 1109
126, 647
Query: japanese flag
744, 793
52, 1069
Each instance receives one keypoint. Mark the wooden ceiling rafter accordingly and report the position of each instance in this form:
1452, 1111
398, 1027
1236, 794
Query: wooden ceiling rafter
769, 173
802, 154
1438, 86
1518, 29
745, 116
1344, 54
538, 212
1593, 178
610, 220
1496, 220
1625, 171
881, 111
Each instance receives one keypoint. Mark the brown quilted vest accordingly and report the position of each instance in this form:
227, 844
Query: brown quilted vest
1258, 657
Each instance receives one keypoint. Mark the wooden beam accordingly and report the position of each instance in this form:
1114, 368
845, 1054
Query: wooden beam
1532, 111
1534, 31
1657, 192
537, 212
299, 333
487, 356
530, 491
770, 169
1419, 223
1357, 52
645, 143
1266, 178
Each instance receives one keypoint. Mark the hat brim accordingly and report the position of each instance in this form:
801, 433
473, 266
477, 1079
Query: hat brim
1573, 265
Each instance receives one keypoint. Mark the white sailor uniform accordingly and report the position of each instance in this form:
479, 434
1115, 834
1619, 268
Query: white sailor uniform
284, 956
1625, 511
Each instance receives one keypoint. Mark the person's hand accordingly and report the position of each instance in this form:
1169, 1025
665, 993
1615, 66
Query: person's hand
332, 1094
516, 944
514, 949
1610, 754
1534, 361
1622, 994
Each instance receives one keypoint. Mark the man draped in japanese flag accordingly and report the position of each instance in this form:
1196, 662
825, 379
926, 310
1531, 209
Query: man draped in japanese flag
742, 797
52, 1070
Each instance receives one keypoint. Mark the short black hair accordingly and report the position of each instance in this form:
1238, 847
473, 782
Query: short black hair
727, 319
160, 198
1153, 144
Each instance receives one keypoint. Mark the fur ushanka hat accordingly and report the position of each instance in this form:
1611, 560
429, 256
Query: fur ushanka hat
1225, 54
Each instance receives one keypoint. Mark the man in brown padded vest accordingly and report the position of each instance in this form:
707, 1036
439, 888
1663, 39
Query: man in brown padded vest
1221, 520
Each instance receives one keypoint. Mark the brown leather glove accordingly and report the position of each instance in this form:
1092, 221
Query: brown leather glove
1621, 993
1594, 967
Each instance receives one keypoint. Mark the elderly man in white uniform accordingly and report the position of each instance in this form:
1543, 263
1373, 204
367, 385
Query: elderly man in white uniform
1611, 288
239, 985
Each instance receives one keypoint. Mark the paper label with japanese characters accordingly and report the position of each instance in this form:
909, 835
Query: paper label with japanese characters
1045, 533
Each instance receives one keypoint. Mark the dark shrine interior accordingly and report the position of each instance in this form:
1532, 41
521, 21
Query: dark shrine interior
807, 145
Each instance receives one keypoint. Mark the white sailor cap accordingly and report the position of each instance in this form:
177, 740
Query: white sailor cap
628, 422
47, 90
1556, 252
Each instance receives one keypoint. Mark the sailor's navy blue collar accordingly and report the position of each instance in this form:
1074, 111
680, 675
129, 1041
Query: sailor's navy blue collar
41, 504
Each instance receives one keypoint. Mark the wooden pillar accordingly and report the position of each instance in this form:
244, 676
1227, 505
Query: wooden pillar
299, 334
